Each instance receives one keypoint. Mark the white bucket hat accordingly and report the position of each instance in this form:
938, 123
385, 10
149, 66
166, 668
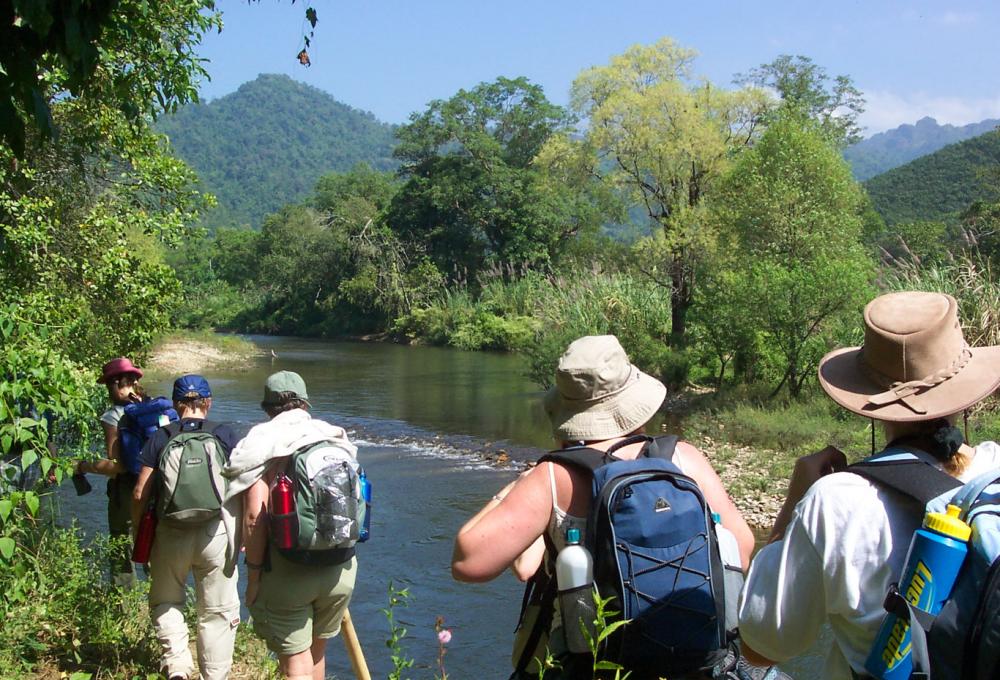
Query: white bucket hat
598, 393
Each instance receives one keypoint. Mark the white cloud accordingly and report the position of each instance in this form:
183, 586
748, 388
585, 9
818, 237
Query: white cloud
958, 18
886, 110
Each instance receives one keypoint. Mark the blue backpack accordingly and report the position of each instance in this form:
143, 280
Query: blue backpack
138, 424
963, 640
656, 554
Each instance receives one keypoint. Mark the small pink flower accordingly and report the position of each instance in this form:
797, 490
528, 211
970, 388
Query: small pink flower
444, 636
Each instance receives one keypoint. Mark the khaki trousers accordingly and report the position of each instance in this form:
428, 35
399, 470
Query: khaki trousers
200, 549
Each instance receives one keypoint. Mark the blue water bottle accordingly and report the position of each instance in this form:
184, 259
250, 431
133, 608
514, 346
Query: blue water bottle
936, 554
366, 496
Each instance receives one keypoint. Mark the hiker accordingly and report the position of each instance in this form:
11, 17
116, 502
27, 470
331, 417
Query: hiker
297, 593
121, 377
600, 404
841, 538
182, 475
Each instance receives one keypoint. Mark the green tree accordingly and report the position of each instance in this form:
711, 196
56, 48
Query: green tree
663, 140
806, 86
78, 213
791, 218
472, 195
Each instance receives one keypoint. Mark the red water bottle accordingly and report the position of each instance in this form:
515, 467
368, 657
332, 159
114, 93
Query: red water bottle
144, 536
284, 521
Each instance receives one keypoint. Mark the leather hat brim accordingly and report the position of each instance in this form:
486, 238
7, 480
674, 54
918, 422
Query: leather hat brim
842, 377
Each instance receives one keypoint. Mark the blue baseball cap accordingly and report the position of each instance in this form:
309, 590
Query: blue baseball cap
191, 387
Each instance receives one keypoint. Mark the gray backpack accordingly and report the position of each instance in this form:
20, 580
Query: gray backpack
190, 473
328, 503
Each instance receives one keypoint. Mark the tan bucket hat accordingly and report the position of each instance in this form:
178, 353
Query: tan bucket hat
598, 393
914, 365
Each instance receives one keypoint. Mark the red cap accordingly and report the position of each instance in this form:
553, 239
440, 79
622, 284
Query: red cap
116, 367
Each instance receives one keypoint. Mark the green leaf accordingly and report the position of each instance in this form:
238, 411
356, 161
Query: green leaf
31, 500
5, 508
606, 666
27, 459
6, 547
610, 629
79, 675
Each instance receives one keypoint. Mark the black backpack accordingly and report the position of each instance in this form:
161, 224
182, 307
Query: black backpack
656, 555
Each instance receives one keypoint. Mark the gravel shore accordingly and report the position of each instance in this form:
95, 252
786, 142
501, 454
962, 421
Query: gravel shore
178, 355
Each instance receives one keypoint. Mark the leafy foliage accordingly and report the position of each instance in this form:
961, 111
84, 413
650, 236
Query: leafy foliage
95, 53
472, 196
791, 217
663, 140
804, 86
264, 145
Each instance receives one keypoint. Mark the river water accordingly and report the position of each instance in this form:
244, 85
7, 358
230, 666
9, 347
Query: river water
423, 418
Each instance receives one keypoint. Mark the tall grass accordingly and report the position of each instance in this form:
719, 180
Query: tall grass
540, 315
970, 280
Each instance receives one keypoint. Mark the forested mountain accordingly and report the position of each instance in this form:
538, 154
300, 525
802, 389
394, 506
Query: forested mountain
893, 148
266, 144
940, 184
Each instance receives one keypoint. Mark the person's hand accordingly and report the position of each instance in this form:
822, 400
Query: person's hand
81, 467
810, 468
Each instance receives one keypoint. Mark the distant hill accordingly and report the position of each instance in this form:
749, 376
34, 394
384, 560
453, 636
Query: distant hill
936, 186
266, 144
893, 148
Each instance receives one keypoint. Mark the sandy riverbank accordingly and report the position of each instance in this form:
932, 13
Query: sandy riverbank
180, 354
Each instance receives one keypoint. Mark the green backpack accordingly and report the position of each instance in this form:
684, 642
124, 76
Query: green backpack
190, 470
328, 504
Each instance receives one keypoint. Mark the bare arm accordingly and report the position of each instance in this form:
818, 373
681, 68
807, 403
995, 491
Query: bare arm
255, 518
499, 533
109, 465
697, 466
807, 470
528, 562
141, 494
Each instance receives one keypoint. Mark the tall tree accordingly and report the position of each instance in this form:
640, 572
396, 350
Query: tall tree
791, 219
472, 195
804, 85
663, 139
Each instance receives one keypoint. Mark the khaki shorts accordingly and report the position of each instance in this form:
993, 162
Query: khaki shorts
298, 603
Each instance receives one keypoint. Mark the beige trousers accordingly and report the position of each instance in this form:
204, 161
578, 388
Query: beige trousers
201, 549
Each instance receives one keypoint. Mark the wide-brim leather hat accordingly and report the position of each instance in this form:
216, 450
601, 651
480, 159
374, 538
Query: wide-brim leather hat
914, 364
598, 393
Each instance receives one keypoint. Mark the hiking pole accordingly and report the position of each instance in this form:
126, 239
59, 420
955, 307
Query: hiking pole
353, 646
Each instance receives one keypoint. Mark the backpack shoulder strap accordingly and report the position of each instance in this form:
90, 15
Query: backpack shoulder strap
582, 458
540, 589
663, 447
912, 477
173, 428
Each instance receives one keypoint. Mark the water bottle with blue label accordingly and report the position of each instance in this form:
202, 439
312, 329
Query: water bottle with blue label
936, 554
366, 497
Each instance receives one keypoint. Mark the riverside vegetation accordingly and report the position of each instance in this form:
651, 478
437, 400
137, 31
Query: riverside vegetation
716, 231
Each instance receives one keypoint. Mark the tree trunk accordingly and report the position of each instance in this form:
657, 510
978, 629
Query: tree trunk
680, 302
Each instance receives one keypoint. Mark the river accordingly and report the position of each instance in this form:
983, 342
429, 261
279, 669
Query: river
422, 418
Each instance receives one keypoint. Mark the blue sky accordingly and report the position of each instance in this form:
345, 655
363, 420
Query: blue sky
911, 59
